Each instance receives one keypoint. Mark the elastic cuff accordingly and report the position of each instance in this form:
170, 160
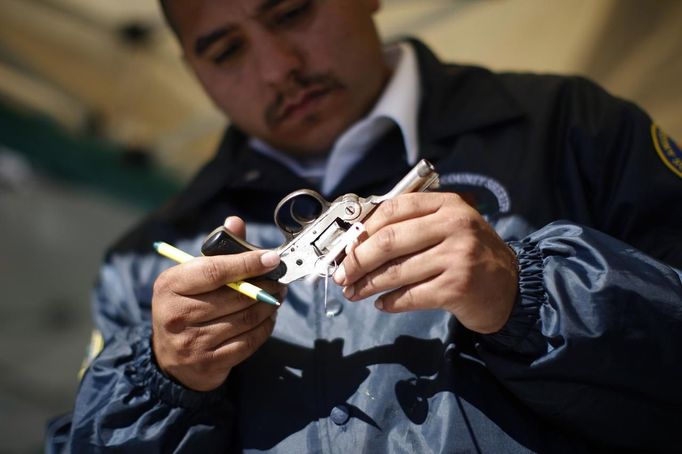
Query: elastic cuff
144, 372
521, 334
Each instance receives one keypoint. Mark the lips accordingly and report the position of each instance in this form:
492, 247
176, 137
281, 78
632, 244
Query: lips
300, 96
300, 103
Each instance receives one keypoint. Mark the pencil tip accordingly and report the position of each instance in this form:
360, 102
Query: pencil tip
267, 298
156, 245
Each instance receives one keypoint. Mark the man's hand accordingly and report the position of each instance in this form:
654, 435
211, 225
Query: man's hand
433, 250
201, 328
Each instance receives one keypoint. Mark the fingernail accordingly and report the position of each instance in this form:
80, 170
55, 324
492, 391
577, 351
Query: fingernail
229, 223
269, 259
379, 304
340, 275
349, 291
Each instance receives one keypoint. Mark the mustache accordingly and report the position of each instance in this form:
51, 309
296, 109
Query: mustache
300, 83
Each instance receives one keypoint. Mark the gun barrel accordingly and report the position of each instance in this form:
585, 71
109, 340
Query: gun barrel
422, 177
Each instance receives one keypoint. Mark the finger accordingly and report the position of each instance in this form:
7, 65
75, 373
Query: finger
204, 274
390, 242
235, 350
394, 274
182, 311
235, 225
225, 328
195, 362
189, 311
406, 206
417, 296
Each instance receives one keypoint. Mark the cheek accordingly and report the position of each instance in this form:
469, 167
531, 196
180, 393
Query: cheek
354, 61
240, 99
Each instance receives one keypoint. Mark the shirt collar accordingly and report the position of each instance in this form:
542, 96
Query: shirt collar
401, 98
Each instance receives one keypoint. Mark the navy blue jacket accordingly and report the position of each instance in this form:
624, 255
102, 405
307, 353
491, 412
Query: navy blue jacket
580, 184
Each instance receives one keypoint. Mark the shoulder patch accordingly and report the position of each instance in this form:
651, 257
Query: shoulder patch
94, 349
667, 150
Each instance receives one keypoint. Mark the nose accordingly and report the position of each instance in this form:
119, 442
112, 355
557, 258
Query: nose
277, 59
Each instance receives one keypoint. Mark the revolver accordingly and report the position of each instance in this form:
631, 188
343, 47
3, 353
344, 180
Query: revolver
317, 231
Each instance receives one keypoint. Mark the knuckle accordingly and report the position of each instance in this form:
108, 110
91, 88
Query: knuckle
448, 198
161, 283
386, 239
248, 317
409, 297
366, 285
469, 249
212, 272
170, 317
251, 341
258, 336
462, 283
453, 202
389, 208
187, 346
394, 270
248, 266
174, 323
459, 222
265, 329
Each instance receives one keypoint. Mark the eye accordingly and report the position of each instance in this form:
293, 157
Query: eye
291, 14
227, 52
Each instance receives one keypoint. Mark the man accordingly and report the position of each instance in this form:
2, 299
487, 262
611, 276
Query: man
469, 322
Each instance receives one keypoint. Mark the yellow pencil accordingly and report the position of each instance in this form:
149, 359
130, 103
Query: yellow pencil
250, 290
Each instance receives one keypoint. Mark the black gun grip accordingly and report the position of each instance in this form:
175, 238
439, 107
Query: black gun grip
222, 242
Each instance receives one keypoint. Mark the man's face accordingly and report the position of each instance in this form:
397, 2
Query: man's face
294, 73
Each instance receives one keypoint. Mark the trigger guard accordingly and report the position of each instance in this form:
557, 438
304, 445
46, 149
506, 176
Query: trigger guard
300, 221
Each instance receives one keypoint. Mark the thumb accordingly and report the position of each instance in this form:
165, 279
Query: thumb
204, 274
235, 225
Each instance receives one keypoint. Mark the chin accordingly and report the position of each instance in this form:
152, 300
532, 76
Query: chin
317, 142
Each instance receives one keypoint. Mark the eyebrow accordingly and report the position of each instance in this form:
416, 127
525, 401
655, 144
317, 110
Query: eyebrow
268, 5
204, 42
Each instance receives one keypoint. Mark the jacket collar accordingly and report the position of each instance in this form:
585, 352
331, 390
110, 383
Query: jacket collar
459, 99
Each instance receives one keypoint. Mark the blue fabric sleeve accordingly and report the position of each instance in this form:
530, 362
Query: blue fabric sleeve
595, 340
125, 403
